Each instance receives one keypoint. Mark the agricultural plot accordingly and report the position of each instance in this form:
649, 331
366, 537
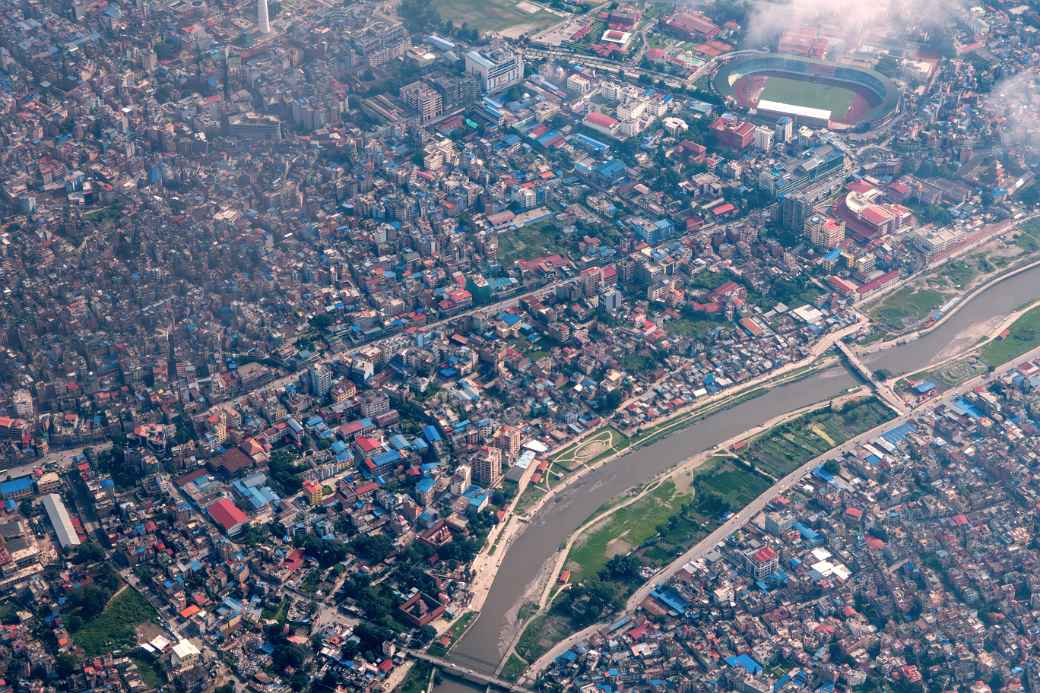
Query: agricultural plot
784, 448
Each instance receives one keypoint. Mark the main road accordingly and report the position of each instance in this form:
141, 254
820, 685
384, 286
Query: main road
530, 554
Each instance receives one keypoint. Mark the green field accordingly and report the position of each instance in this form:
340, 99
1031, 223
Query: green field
514, 668
528, 243
782, 449
735, 485
149, 671
114, 628
692, 327
1022, 336
809, 94
625, 530
492, 15
906, 307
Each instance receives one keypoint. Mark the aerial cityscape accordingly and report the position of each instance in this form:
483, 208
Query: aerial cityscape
519, 345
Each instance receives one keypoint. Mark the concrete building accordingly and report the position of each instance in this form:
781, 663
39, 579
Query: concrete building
263, 22
426, 101
498, 67
487, 467
825, 232
319, 379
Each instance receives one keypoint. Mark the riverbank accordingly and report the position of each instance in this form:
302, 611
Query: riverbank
489, 560
987, 284
539, 538
687, 474
740, 519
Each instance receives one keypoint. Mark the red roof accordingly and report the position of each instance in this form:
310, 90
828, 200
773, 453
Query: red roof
226, 514
876, 215
367, 444
600, 119
765, 554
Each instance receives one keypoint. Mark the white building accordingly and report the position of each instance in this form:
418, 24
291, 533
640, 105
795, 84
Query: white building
498, 67
60, 520
763, 138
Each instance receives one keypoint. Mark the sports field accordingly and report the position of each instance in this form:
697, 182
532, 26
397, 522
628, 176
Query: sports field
502, 16
798, 92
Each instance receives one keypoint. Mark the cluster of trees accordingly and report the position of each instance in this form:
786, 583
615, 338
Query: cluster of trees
589, 601
284, 472
622, 569
327, 552
373, 548
286, 655
88, 601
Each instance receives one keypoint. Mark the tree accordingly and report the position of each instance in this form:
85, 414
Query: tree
67, 665
88, 553
587, 602
372, 548
285, 655
419, 15
621, 569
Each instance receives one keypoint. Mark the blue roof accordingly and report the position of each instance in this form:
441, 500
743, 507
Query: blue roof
425, 485
16, 486
924, 387
508, 318
963, 406
897, 434
745, 662
386, 457
430, 433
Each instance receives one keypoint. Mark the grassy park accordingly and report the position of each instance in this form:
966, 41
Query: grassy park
606, 441
115, 627
625, 530
907, 307
1021, 337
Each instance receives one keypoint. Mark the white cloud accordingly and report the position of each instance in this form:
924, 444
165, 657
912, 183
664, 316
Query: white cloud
847, 20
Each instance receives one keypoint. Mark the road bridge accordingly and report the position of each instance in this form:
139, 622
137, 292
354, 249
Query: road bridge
471, 675
881, 388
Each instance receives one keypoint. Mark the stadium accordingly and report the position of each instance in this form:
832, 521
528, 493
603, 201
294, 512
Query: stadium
812, 92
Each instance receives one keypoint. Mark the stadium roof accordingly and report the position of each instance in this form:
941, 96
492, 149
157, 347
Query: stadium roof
791, 109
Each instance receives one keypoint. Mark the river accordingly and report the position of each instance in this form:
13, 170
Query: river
528, 556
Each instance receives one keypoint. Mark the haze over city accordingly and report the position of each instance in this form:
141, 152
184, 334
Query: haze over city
519, 345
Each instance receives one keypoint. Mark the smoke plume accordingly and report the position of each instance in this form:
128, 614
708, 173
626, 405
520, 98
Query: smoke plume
1013, 105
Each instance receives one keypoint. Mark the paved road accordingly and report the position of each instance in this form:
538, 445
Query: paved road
756, 506
468, 673
328, 358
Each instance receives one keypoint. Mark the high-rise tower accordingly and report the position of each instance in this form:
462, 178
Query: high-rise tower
262, 21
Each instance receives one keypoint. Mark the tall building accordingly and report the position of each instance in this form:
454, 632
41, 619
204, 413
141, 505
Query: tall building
320, 380
263, 22
825, 232
498, 67
783, 131
487, 467
508, 441
426, 101
763, 138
